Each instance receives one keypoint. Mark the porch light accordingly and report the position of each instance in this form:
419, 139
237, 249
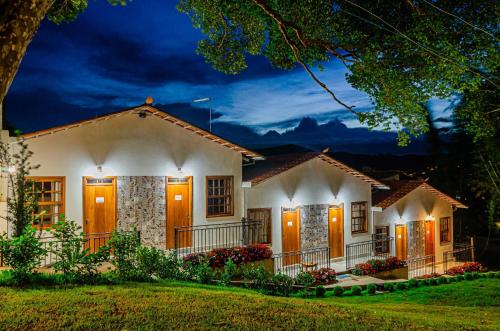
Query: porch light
429, 218
99, 172
179, 172
290, 223
11, 169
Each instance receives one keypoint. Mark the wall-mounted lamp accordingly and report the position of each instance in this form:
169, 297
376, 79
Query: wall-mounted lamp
99, 172
179, 172
429, 218
11, 169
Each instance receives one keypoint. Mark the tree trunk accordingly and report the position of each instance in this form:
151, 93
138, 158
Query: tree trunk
19, 21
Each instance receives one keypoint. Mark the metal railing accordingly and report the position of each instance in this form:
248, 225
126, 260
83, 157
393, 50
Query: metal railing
377, 248
203, 238
462, 253
292, 263
421, 265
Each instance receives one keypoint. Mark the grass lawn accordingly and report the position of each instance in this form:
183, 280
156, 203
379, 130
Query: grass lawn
176, 305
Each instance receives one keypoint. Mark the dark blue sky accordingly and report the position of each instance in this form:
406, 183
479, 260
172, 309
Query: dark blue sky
113, 57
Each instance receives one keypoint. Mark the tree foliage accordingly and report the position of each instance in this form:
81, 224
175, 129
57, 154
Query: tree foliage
401, 53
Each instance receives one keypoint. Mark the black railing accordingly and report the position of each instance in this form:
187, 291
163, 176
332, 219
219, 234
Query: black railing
292, 263
203, 238
462, 253
421, 266
377, 248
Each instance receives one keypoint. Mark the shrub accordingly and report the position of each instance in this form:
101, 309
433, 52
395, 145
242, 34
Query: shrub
442, 280
459, 278
377, 265
413, 282
497, 275
389, 287
324, 275
256, 276
356, 290
337, 291
280, 284
153, 263
230, 272
433, 281
452, 280
124, 246
76, 263
491, 274
170, 267
468, 276
371, 288
475, 275
203, 272
218, 257
466, 267
306, 280
320, 291
23, 254
423, 282
401, 286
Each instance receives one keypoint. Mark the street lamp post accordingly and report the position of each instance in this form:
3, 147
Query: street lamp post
209, 100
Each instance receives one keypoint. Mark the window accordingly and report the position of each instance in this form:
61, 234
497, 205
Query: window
381, 239
445, 229
259, 233
49, 193
220, 196
359, 217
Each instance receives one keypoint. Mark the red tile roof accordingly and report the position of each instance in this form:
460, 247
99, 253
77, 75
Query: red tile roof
401, 188
158, 113
275, 165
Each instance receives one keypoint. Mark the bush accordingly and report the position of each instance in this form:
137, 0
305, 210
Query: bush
389, 287
356, 290
203, 272
23, 254
497, 275
124, 246
376, 265
280, 284
371, 288
459, 278
153, 263
475, 275
468, 276
401, 286
433, 281
218, 257
320, 291
423, 282
413, 282
442, 280
323, 275
256, 276
170, 267
76, 263
337, 291
230, 272
466, 267
306, 280
452, 280
491, 274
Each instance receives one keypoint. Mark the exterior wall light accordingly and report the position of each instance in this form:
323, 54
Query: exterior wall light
99, 172
11, 169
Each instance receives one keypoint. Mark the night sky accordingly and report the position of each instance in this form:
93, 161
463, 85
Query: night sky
113, 57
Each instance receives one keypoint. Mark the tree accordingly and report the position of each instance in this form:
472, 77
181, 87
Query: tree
21, 202
401, 53
19, 21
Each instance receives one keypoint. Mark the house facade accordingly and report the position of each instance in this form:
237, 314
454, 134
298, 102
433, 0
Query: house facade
139, 167
312, 200
417, 216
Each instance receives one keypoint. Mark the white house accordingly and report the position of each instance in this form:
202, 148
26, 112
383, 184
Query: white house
138, 167
418, 216
312, 201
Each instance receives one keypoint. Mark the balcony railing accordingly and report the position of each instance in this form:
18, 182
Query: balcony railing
462, 253
421, 266
377, 248
203, 238
292, 263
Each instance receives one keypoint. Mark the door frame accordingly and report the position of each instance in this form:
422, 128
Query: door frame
190, 208
341, 208
84, 184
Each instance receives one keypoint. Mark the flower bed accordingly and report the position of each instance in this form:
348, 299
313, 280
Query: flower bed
466, 267
324, 276
217, 258
375, 266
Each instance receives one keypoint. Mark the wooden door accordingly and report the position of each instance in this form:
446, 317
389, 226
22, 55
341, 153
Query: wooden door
290, 232
179, 211
336, 231
263, 233
401, 241
429, 237
99, 209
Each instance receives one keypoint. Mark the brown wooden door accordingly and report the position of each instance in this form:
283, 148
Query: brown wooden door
336, 231
263, 233
99, 209
290, 229
429, 237
179, 211
401, 241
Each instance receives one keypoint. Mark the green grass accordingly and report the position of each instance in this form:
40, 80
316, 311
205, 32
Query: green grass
177, 305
